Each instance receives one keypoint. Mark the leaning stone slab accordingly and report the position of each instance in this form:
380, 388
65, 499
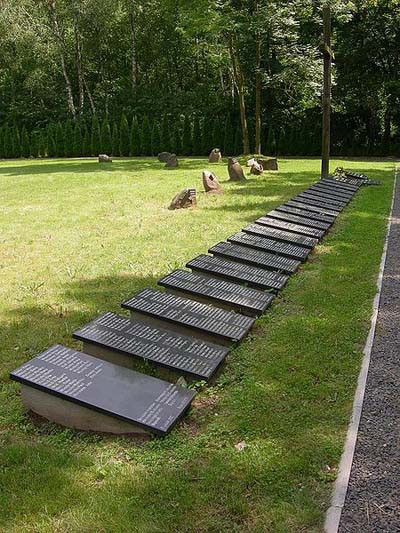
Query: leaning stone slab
235, 170
215, 156
184, 199
268, 163
82, 392
210, 183
103, 158
163, 156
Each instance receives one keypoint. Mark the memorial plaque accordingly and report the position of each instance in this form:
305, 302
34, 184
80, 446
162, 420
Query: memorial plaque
322, 198
254, 276
224, 325
323, 193
269, 245
147, 402
314, 208
318, 203
246, 300
288, 226
280, 235
160, 346
262, 259
296, 219
339, 184
305, 213
332, 191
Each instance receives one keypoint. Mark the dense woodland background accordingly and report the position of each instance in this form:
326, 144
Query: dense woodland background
127, 77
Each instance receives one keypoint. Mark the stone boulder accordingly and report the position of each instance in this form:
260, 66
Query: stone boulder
215, 156
251, 162
103, 158
256, 169
163, 157
268, 163
184, 199
210, 183
235, 170
172, 161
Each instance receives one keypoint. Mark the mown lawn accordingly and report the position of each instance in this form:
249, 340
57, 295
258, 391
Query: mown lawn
76, 238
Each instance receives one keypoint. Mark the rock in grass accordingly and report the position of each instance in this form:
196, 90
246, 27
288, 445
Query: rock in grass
163, 156
103, 158
210, 183
215, 156
172, 161
268, 163
184, 199
235, 170
256, 169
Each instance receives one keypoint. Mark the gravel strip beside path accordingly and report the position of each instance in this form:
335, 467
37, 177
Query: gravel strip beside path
373, 498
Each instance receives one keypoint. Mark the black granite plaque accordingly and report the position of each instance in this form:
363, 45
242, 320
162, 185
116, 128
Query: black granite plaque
340, 184
298, 219
253, 276
160, 346
306, 213
269, 245
313, 208
288, 226
281, 235
219, 323
243, 299
332, 191
259, 258
321, 198
312, 201
150, 403
327, 194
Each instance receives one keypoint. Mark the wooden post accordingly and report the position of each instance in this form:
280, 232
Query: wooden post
326, 100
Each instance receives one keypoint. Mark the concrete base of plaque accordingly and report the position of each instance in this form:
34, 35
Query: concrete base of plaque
74, 416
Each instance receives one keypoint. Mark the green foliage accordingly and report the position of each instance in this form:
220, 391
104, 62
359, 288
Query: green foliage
86, 142
95, 142
271, 142
238, 141
217, 134
197, 147
155, 139
229, 137
175, 138
77, 146
115, 140
105, 137
124, 141
145, 138
25, 144
187, 136
135, 138
51, 141
165, 133
42, 143
16, 142
60, 140
206, 140
68, 139
34, 144
7, 142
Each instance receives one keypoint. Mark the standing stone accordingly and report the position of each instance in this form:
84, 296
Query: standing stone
235, 170
215, 156
256, 169
269, 163
103, 158
184, 199
163, 157
210, 183
172, 161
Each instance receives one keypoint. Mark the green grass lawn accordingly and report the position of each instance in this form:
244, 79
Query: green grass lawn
76, 239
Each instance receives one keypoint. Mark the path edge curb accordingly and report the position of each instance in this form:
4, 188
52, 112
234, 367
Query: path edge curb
334, 513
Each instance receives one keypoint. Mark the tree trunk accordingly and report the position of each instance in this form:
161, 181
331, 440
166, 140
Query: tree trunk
239, 82
78, 55
257, 145
58, 34
134, 65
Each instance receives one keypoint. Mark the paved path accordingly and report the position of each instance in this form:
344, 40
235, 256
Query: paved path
373, 499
